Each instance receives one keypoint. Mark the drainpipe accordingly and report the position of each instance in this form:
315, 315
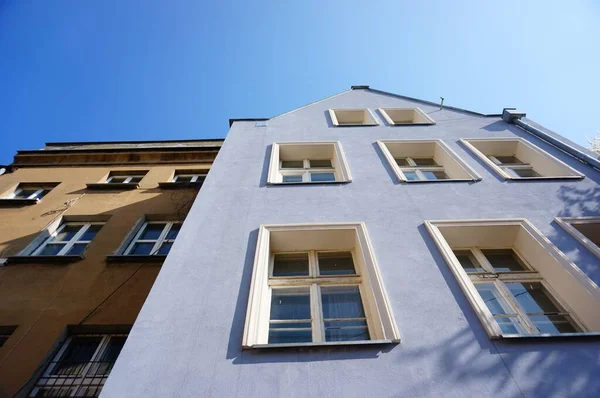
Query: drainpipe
511, 115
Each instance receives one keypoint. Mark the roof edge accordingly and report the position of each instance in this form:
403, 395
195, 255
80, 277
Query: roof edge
66, 143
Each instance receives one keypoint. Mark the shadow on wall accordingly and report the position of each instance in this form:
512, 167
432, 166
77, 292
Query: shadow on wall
305, 354
567, 368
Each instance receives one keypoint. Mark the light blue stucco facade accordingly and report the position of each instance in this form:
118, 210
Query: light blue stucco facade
187, 339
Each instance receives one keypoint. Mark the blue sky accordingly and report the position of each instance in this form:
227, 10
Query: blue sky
145, 70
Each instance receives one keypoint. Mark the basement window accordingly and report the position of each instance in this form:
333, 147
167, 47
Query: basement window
517, 159
405, 116
80, 367
352, 117
316, 285
586, 230
425, 161
307, 162
518, 283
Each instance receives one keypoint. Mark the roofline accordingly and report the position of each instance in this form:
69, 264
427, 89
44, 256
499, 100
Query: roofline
128, 142
260, 119
43, 152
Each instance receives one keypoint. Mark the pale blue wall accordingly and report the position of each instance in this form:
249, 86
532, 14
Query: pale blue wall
187, 339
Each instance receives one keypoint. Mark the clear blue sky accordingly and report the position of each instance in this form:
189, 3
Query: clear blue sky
145, 70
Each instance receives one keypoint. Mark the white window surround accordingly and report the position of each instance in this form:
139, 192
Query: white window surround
352, 117
547, 166
158, 242
568, 285
305, 151
68, 244
455, 168
567, 224
282, 238
405, 116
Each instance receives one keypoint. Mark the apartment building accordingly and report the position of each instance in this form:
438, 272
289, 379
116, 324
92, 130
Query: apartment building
375, 245
84, 231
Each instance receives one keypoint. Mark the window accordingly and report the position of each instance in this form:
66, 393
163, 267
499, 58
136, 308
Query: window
133, 177
316, 285
517, 159
518, 283
70, 239
189, 176
403, 116
425, 161
585, 229
352, 117
30, 191
5, 333
80, 367
154, 238
307, 162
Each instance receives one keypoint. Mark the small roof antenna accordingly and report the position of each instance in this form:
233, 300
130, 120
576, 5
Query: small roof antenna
442, 103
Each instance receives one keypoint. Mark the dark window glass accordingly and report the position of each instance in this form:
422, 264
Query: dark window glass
152, 231
467, 261
424, 162
504, 260
142, 248
343, 314
508, 159
322, 177
91, 232
77, 355
184, 178
290, 264
292, 164
292, 178
402, 162
117, 180
51, 249
435, 175
290, 316
77, 249
136, 179
172, 234
165, 248
525, 172
410, 175
321, 163
67, 233
339, 263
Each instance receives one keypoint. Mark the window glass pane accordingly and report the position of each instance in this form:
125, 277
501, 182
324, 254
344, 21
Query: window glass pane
510, 325
553, 324
165, 248
51, 249
42, 194
67, 233
410, 175
77, 355
152, 231
321, 163
172, 234
339, 263
54, 392
435, 175
142, 248
424, 162
402, 162
341, 302
25, 193
492, 298
136, 179
290, 304
91, 232
117, 180
293, 264
508, 159
109, 356
504, 260
292, 178
77, 249
467, 261
532, 297
525, 172
292, 164
295, 332
346, 331
184, 178
321, 177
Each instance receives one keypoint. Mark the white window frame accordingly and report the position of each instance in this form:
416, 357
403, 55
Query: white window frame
157, 243
419, 170
499, 169
381, 324
391, 121
340, 168
398, 170
85, 379
68, 244
128, 178
195, 176
368, 113
32, 196
586, 299
567, 224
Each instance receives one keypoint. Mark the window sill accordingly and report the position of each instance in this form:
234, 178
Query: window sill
136, 259
324, 344
179, 185
104, 186
309, 183
18, 202
411, 124
356, 125
43, 259
545, 178
436, 181
561, 336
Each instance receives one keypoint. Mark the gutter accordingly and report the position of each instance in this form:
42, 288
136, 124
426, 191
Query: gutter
512, 115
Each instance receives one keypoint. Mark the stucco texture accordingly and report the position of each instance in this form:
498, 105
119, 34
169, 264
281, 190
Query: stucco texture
186, 341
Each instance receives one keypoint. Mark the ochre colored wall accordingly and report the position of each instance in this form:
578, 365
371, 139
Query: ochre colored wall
43, 299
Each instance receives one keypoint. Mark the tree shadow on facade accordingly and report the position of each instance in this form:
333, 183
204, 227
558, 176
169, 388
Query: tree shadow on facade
279, 355
537, 368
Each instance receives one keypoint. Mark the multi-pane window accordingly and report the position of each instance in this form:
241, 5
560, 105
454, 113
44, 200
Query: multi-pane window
80, 367
27, 191
421, 169
514, 167
130, 178
352, 117
154, 238
307, 170
315, 297
188, 176
70, 239
585, 229
514, 293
